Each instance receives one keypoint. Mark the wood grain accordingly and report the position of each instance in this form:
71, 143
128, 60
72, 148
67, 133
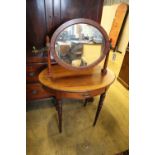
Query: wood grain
58, 71
117, 23
76, 84
36, 91
43, 17
33, 70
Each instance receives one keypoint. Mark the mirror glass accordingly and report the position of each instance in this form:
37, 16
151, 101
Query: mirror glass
80, 45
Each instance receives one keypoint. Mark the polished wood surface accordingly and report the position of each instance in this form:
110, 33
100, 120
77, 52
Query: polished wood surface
99, 107
104, 50
78, 87
58, 71
43, 17
117, 24
108, 137
78, 84
36, 91
91, 9
33, 70
35, 25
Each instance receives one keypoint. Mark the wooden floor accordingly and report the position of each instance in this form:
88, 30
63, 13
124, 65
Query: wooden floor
108, 137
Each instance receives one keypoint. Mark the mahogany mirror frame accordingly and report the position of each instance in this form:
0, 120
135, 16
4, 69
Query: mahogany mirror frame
52, 50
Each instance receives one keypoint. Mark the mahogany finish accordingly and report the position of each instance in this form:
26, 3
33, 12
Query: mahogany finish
36, 91
36, 60
105, 50
85, 102
85, 87
57, 71
75, 84
33, 70
43, 17
99, 107
59, 109
35, 24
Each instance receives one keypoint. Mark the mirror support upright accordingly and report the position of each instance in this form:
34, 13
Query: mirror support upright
88, 40
49, 62
104, 70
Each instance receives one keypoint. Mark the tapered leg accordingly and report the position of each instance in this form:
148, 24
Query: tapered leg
88, 100
85, 102
59, 109
99, 108
55, 103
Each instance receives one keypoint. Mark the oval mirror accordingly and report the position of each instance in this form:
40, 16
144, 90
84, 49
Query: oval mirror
79, 43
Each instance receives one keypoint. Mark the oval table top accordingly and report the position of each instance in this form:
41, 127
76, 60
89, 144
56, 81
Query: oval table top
78, 83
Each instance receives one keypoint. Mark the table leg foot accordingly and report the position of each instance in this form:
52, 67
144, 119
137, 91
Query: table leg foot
99, 108
88, 100
59, 109
55, 103
85, 102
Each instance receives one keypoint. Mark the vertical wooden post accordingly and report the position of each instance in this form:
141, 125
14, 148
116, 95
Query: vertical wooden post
104, 70
49, 62
85, 102
59, 109
99, 107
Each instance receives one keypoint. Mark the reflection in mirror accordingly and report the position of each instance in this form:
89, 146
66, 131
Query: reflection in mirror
80, 45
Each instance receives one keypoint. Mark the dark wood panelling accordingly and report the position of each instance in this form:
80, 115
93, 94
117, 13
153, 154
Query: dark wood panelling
91, 9
35, 24
33, 70
39, 60
43, 17
49, 14
36, 91
36, 60
57, 13
123, 76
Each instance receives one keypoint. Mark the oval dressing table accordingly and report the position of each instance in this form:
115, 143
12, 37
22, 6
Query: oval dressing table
78, 46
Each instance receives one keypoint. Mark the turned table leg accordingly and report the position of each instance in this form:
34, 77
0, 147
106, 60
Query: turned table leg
88, 100
99, 108
55, 103
59, 109
85, 102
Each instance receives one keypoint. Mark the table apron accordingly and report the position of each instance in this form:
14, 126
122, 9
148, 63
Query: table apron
79, 95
